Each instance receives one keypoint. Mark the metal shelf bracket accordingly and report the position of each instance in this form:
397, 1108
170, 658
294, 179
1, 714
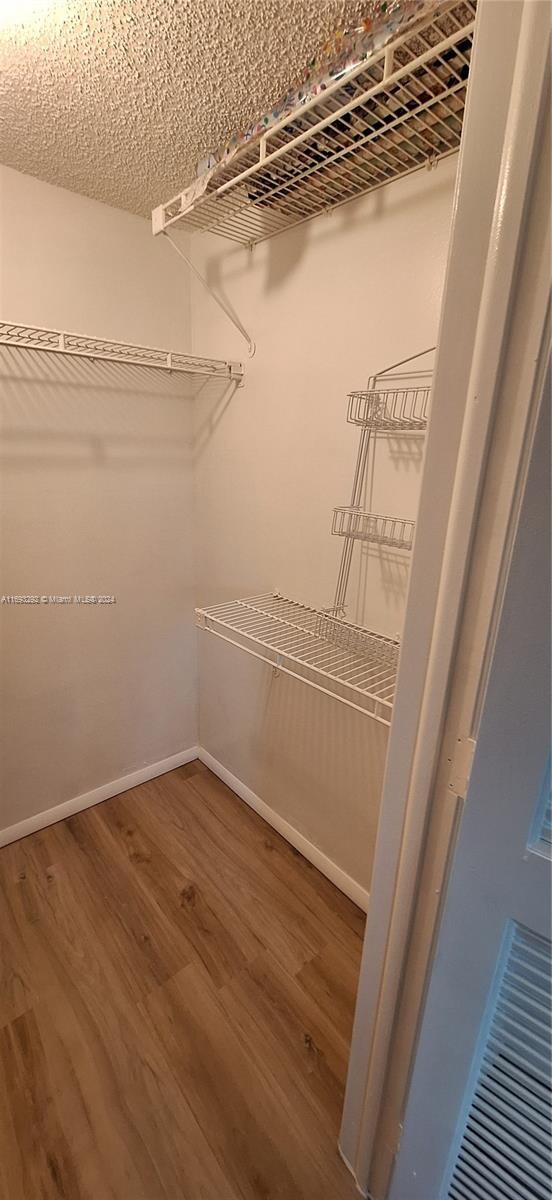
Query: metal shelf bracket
251, 346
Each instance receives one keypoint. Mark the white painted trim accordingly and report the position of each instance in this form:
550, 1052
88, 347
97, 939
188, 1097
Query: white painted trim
42, 819
353, 890
362, 1191
427, 655
50, 816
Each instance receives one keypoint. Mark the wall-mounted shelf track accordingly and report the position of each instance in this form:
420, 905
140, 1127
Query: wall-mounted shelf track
395, 410
196, 370
370, 527
397, 111
342, 660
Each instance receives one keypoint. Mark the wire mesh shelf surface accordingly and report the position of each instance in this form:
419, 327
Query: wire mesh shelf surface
364, 526
400, 110
338, 658
32, 338
390, 410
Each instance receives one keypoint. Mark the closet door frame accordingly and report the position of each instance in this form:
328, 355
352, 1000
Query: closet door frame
431, 744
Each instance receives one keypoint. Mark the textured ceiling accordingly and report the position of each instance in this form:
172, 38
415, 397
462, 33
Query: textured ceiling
119, 99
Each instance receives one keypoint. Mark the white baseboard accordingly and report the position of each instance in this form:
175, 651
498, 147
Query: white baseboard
40, 820
350, 887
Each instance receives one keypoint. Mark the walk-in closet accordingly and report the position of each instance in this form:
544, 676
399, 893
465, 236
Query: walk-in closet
263, 268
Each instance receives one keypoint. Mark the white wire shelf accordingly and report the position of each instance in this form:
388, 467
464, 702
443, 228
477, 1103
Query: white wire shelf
80, 345
390, 410
400, 110
364, 526
342, 660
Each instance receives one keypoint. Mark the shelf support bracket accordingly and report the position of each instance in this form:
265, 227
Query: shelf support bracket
251, 347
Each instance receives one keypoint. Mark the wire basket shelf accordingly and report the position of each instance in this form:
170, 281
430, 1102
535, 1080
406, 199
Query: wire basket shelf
82, 346
390, 410
399, 111
364, 526
351, 664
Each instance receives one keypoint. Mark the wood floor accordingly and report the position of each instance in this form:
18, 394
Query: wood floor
176, 999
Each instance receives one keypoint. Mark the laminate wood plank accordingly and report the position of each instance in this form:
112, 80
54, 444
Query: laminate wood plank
69, 879
263, 861
128, 1113
16, 990
221, 944
329, 907
330, 979
11, 1178
195, 767
36, 1155
294, 1043
14, 873
176, 815
78, 1087
132, 1129
149, 935
187, 990
247, 1123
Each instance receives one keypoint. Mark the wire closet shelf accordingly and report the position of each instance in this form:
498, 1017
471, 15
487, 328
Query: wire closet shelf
398, 111
29, 337
340, 659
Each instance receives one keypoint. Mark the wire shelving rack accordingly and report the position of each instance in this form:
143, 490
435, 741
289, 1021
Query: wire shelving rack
391, 410
395, 402
400, 110
320, 647
364, 526
342, 660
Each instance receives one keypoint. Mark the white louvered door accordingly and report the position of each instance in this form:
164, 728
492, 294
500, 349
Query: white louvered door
477, 1123
504, 1149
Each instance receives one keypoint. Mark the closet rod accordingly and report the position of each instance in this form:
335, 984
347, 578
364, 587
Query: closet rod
32, 337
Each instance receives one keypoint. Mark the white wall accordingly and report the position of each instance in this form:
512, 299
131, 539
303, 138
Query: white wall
328, 304
95, 497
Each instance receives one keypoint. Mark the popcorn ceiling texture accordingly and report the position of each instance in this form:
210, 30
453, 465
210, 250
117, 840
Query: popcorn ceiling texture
119, 99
